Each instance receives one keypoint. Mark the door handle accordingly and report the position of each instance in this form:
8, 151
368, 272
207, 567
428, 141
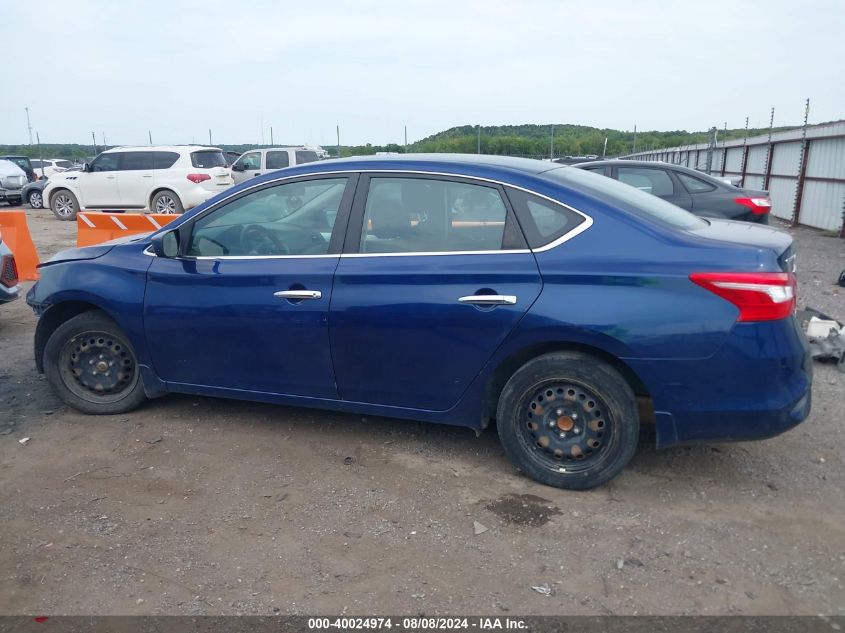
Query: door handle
489, 300
146, 176
298, 294
109, 177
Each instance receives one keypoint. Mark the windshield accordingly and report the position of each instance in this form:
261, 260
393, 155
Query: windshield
206, 159
626, 197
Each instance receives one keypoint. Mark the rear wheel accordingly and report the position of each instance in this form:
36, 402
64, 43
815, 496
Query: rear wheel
167, 202
568, 420
92, 367
64, 205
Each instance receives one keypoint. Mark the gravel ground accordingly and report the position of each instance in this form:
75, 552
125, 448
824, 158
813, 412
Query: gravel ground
202, 506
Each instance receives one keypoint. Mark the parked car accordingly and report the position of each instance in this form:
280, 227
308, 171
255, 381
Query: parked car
46, 167
692, 190
9, 287
258, 161
460, 289
33, 193
24, 163
12, 180
163, 179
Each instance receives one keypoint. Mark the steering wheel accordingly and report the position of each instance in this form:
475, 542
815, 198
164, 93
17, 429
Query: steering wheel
258, 240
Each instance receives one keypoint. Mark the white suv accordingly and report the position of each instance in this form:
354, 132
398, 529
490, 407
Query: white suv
255, 162
163, 179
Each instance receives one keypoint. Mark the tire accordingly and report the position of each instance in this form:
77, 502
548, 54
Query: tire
64, 205
167, 202
79, 359
585, 438
35, 200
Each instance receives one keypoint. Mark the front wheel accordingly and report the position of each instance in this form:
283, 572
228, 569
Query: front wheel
92, 367
568, 420
35, 200
167, 202
64, 205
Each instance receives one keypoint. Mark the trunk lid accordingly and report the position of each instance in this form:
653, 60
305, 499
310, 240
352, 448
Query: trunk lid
750, 234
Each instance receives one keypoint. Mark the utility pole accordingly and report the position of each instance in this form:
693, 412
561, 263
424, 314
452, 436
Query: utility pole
711, 143
802, 167
478, 150
104, 140
604, 151
150, 134
768, 165
552, 145
40, 155
209, 137
635, 140
271, 135
338, 141
94, 138
28, 125
406, 139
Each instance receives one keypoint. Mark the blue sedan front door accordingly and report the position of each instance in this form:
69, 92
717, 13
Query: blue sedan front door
438, 276
244, 308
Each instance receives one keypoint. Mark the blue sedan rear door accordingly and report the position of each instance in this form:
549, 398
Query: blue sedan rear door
435, 274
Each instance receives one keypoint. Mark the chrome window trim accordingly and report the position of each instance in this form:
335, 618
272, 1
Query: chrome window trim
586, 224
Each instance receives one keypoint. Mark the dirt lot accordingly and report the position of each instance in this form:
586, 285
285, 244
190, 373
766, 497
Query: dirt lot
202, 506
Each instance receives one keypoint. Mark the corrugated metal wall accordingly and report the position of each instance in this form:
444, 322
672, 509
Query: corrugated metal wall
813, 193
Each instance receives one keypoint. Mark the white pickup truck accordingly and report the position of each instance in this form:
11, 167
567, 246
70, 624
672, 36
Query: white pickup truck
260, 161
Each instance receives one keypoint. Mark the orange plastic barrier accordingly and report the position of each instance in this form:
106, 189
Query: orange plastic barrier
16, 236
95, 228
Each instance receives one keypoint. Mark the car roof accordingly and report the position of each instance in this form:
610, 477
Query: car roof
162, 148
430, 162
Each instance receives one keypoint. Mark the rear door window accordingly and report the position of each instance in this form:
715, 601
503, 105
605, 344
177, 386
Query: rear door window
305, 156
277, 160
206, 159
136, 161
654, 181
425, 215
693, 184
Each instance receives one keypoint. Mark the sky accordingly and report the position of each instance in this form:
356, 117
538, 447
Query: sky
179, 68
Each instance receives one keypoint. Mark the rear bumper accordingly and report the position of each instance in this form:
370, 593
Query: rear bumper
758, 385
195, 196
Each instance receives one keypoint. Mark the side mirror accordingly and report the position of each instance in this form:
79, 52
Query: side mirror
166, 244
237, 167
86, 166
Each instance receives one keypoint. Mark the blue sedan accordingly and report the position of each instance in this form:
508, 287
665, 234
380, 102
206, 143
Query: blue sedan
564, 307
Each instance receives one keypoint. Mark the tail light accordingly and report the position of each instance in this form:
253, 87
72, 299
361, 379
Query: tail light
8, 271
198, 178
759, 296
758, 206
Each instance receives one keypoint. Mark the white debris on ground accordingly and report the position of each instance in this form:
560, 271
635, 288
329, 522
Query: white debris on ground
826, 337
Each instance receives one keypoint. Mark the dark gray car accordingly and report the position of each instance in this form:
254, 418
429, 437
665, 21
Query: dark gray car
689, 189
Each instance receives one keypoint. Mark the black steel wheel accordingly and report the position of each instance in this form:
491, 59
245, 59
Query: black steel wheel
92, 366
568, 420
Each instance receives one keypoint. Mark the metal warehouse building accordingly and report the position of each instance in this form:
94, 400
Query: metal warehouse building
803, 169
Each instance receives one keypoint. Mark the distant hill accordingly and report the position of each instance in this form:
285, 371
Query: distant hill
529, 139
569, 140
